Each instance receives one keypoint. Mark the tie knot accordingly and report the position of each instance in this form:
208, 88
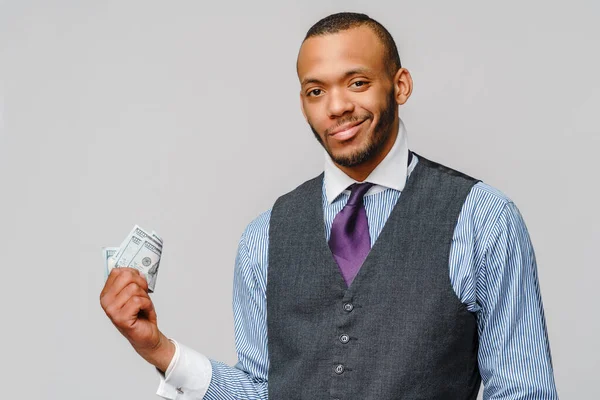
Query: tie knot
357, 192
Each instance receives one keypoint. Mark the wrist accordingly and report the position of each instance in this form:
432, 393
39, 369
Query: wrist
161, 355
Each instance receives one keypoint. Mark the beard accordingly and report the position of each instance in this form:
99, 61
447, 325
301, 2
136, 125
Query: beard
375, 143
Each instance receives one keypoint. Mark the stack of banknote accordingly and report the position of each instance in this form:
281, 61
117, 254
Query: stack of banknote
140, 250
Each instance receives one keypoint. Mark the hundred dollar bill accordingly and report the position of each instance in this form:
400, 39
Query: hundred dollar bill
140, 250
147, 260
136, 237
132, 245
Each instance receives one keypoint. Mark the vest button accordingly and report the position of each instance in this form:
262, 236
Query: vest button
344, 338
339, 369
348, 307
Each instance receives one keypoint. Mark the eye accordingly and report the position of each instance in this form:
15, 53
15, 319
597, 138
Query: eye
314, 92
359, 83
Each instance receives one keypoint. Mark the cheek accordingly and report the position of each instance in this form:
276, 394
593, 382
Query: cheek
315, 116
369, 106
374, 101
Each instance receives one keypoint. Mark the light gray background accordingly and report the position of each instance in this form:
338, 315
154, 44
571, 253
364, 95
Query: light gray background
184, 117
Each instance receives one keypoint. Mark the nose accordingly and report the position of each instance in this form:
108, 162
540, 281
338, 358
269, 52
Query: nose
338, 104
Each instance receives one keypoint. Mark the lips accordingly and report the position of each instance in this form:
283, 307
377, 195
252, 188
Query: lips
346, 132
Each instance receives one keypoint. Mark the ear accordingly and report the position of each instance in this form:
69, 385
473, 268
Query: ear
403, 86
302, 107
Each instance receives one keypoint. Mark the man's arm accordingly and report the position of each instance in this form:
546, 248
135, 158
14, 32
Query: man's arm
514, 351
193, 376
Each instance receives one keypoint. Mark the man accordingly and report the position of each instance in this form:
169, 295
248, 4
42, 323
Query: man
388, 276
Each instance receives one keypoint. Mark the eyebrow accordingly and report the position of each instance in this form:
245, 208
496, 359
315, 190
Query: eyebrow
354, 71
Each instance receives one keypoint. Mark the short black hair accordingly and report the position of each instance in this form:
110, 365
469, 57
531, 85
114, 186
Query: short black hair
346, 20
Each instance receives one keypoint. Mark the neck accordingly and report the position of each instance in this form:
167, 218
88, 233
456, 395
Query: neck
360, 172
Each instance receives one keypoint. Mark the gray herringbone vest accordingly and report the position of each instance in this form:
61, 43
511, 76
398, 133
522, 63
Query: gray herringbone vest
399, 331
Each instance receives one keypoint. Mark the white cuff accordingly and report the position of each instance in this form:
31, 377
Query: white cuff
187, 377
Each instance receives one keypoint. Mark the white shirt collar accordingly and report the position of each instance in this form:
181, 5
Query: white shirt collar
390, 173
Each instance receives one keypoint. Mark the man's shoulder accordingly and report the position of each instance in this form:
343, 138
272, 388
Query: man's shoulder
258, 228
481, 194
484, 205
443, 170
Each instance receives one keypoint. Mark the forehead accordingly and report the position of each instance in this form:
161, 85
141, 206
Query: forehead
332, 54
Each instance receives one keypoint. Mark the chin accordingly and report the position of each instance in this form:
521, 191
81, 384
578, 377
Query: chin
344, 149
342, 156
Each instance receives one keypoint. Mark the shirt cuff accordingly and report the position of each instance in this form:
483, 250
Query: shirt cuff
187, 376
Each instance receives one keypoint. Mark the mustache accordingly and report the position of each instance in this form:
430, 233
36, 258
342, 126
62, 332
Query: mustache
346, 120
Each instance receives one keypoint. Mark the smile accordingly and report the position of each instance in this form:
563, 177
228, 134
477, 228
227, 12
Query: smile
346, 132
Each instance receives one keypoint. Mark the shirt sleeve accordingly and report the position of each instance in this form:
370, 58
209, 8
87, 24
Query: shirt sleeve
187, 377
514, 351
193, 376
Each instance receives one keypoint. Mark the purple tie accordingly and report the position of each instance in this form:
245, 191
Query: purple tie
350, 241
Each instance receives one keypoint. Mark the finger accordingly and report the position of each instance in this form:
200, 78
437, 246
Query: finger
112, 276
121, 278
129, 291
136, 305
134, 276
125, 277
144, 282
118, 278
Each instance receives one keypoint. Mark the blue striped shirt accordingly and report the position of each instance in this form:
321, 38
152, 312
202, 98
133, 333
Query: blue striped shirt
492, 270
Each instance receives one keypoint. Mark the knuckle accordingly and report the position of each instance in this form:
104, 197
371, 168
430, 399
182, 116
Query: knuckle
120, 280
140, 291
110, 311
131, 288
125, 274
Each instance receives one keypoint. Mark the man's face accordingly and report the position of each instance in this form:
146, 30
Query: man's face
347, 94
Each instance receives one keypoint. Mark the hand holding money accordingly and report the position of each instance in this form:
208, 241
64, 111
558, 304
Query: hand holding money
126, 302
130, 272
